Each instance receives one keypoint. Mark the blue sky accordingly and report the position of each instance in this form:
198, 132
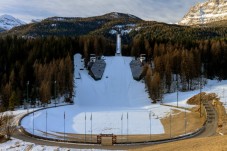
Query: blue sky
169, 11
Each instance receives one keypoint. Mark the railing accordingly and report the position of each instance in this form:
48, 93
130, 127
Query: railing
186, 136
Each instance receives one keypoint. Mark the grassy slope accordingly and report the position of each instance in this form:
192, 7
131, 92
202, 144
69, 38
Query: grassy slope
215, 143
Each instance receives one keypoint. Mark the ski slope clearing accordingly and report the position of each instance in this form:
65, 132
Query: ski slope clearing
115, 104
116, 89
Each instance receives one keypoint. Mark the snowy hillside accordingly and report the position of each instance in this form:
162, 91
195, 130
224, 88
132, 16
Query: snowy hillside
211, 11
115, 104
108, 102
7, 22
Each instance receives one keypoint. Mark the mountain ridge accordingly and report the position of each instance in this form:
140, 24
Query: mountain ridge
73, 26
108, 25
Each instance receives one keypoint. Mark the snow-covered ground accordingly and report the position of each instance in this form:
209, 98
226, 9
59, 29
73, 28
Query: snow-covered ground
115, 104
18, 145
212, 86
118, 104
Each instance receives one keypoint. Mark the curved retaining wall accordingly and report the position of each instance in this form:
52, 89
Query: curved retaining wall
187, 136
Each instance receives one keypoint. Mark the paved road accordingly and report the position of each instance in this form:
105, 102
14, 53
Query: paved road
212, 120
210, 130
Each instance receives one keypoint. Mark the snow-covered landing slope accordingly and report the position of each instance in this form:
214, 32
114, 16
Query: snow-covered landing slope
112, 101
117, 88
105, 105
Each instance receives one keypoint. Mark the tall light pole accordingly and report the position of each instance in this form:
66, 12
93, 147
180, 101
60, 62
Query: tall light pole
85, 127
150, 123
185, 121
170, 128
122, 124
91, 126
64, 126
27, 95
200, 102
177, 90
55, 92
201, 68
46, 124
127, 126
33, 122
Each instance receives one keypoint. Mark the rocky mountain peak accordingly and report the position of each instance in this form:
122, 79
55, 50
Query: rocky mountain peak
207, 12
7, 22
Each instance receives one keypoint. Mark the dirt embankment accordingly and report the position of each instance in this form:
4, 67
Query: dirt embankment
220, 109
214, 143
182, 122
222, 117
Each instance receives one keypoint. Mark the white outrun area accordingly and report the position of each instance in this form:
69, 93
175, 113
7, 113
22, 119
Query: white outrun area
115, 104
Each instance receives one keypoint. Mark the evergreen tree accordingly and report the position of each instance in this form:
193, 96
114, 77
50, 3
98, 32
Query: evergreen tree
12, 101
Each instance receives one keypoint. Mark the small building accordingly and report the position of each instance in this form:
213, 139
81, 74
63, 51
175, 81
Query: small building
92, 58
136, 69
97, 69
142, 58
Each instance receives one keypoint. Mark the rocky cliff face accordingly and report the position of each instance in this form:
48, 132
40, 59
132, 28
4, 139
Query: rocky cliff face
207, 12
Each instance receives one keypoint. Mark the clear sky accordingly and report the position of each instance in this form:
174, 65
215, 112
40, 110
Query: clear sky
169, 11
